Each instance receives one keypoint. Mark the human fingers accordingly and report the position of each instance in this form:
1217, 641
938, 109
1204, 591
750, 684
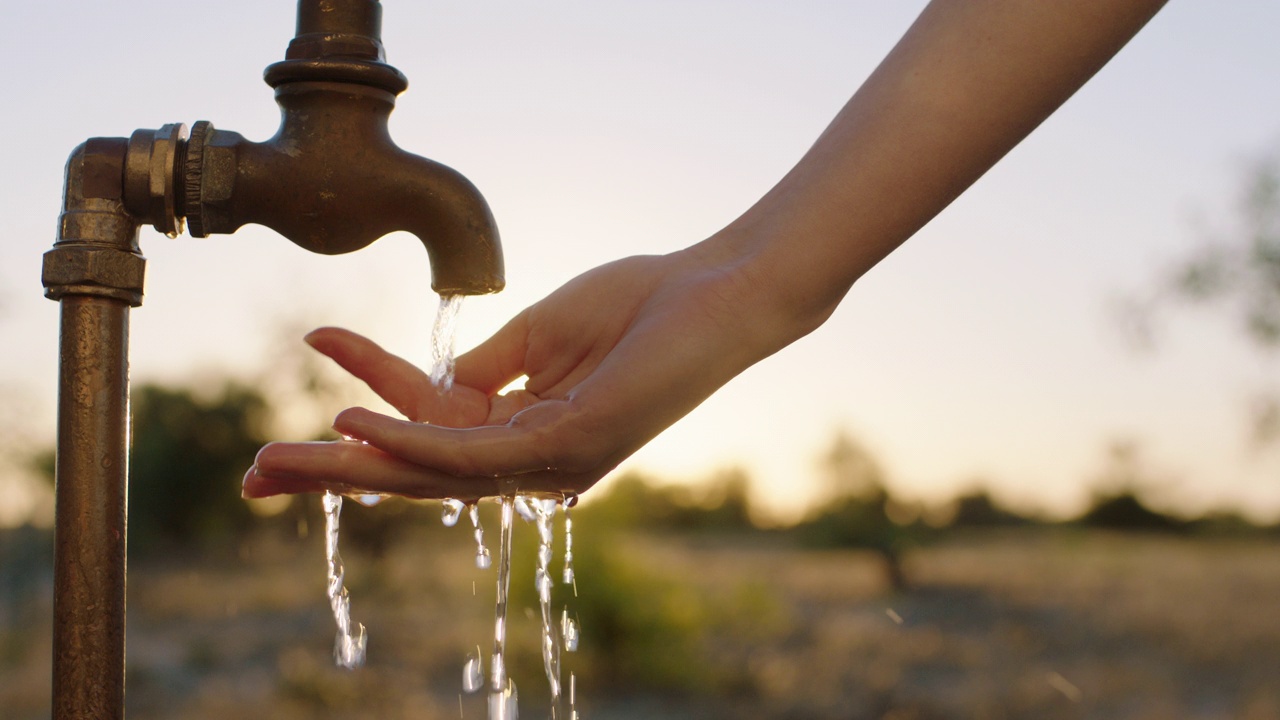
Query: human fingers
350, 468
499, 360
347, 467
398, 381
548, 435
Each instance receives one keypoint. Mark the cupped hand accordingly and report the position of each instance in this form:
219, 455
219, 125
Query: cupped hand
610, 359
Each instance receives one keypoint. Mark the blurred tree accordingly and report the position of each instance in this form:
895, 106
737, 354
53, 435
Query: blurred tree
1125, 511
23, 459
189, 455
1240, 272
725, 505
1248, 265
856, 512
1117, 504
977, 508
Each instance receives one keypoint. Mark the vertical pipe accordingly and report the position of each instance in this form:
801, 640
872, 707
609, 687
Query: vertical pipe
91, 489
345, 17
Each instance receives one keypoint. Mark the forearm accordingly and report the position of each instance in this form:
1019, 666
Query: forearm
968, 81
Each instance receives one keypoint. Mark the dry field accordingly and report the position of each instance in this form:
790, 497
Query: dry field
1017, 625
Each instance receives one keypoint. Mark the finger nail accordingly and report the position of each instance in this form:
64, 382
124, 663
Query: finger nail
353, 422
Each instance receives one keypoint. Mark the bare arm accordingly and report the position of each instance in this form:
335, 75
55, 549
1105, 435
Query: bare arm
968, 81
623, 351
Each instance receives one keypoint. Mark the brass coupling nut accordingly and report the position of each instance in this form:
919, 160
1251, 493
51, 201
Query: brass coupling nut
77, 269
152, 171
208, 179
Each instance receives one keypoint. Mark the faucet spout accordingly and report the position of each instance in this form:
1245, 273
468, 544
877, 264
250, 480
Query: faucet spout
332, 180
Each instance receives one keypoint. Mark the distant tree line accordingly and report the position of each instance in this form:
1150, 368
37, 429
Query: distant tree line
191, 448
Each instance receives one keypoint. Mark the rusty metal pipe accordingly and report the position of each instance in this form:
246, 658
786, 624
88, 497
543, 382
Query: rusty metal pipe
354, 18
89, 540
96, 272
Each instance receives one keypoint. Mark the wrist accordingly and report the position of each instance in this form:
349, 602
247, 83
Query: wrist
778, 301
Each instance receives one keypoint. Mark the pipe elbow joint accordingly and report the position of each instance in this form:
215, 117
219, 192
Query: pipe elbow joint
96, 252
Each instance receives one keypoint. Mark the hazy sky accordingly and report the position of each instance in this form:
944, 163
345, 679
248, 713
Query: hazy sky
981, 349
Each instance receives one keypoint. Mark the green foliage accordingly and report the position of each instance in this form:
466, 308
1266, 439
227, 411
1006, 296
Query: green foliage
188, 457
647, 625
632, 500
646, 628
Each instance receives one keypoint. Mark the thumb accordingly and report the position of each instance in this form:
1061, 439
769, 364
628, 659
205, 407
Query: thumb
496, 362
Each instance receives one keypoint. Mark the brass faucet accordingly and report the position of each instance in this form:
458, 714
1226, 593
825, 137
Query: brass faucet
331, 180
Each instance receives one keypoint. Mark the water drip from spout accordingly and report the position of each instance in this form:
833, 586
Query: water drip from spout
442, 341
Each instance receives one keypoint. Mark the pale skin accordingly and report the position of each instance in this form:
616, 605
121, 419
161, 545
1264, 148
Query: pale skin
621, 352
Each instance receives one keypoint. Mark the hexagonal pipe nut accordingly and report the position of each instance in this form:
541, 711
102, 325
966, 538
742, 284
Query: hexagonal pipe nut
103, 267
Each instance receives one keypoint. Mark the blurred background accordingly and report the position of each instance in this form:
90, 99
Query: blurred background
1028, 469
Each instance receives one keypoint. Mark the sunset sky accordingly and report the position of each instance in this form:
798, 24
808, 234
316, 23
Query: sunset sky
983, 349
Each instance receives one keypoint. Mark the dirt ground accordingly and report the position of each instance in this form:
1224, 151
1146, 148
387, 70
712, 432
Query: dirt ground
1024, 624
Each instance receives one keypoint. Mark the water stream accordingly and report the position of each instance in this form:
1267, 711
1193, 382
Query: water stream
442, 335
567, 577
503, 704
349, 644
483, 561
545, 509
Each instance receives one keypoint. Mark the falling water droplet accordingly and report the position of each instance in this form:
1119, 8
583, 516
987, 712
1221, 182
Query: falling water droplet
369, 500
452, 511
483, 560
473, 672
569, 632
524, 507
